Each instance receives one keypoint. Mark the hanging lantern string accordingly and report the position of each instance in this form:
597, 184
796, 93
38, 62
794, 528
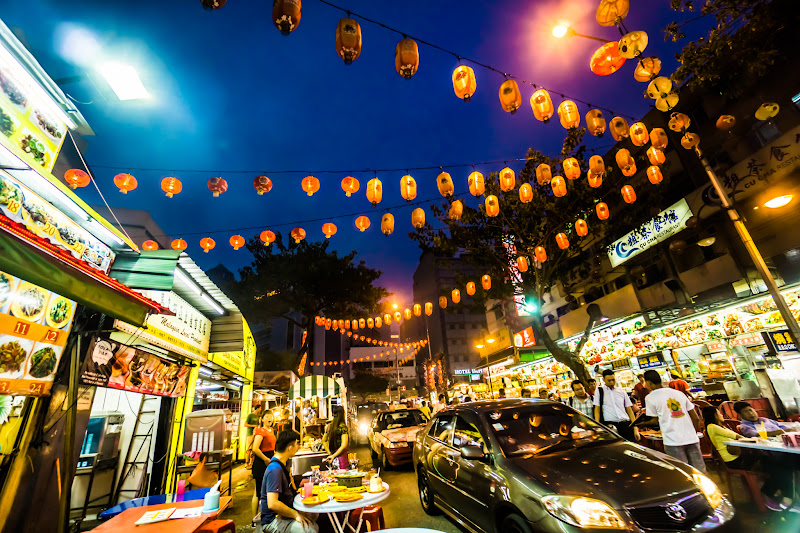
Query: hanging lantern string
460, 57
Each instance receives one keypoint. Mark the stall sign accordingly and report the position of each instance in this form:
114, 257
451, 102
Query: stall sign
480, 387
20, 204
715, 346
747, 340
34, 325
524, 338
782, 340
233, 361
463, 371
663, 226
651, 361
118, 366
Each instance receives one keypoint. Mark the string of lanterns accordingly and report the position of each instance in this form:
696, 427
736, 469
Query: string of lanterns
368, 358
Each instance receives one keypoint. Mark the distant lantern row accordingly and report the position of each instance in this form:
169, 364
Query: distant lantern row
367, 358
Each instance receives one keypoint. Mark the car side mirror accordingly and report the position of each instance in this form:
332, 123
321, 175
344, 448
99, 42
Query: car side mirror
472, 452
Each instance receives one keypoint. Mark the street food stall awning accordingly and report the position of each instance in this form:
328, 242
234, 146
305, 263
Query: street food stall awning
311, 386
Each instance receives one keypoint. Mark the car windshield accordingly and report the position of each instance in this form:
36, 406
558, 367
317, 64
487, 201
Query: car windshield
403, 419
538, 428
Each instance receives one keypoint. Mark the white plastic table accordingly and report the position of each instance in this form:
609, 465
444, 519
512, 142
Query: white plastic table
768, 446
333, 507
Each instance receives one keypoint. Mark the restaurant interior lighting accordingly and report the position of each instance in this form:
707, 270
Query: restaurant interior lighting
490, 340
479, 346
779, 201
204, 371
212, 303
123, 80
235, 383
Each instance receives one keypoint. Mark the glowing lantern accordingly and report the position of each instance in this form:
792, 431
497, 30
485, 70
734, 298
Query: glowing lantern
767, 110
443, 302
540, 254
387, 319
417, 310
522, 264
286, 15
267, 237
398, 316
655, 156
387, 224
348, 40
679, 122
660, 87
602, 210
639, 135
724, 123
654, 175
486, 282
418, 218
658, 138
508, 179
370, 323
628, 194
470, 288
150, 245
562, 241
362, 323
125, 182
510, 97
310, 184
542, 105
428, 308
445, 184
647, 69
667, 103
406, 58
525, 193
595, 122
214, 4
328, 323
298, 234
341, 324
594, 180
362, 223
568, 114
597, 167
690, 140
619, 128
611, 12
464, 82
543, 174
350, 185
581, 228
456, 210
456, 296
559, 186
237, 241
633, 44
262, 184
207, 243
346, 324
217, 186
76, 178
572, 169
374, 191
179, 245
329, 229
407, 313
408, 188
606, 60
171, 186
492, 206
625, 162
476, 183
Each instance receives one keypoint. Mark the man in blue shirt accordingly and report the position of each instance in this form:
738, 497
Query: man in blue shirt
751, 422
277, 493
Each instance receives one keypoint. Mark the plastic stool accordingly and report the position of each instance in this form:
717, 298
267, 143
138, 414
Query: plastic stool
373, 517
217, 526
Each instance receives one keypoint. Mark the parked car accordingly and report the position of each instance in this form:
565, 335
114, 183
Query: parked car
392, 434
362, 416
516, 466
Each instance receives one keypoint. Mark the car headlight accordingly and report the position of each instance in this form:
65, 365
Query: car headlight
583, 512
363, 428
708, 488
397, 445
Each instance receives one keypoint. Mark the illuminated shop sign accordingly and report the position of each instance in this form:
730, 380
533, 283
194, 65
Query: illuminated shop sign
663, 226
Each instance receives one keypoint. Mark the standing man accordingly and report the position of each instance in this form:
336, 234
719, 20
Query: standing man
441, 405
641, 390
425, 409
591, 387
678, 384
613, 407
580, 401
251, 422
277, 494
678, 430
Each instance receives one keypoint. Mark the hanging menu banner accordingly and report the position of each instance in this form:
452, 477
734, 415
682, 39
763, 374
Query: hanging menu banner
118, 366
34, 325
663, 226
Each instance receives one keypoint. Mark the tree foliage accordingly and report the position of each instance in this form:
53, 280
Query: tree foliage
366, 383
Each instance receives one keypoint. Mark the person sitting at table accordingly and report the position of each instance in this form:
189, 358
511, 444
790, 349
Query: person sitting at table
277, 491
778, 485
337, 441
751, 422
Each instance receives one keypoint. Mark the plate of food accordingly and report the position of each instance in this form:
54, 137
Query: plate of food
13, 352
335, 488
356, 490
7, 284
29, 302
43, 361
346, 497
315, 500
376, 491
58, 312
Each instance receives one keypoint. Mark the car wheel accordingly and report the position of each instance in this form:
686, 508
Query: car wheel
385, 461
514, 523
426, 495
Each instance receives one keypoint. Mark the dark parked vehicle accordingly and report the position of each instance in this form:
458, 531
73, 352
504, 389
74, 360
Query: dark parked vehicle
536, 465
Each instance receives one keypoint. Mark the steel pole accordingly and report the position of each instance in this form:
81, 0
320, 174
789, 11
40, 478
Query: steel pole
752, 250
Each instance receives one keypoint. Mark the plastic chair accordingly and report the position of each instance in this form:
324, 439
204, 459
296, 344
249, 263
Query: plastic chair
731, 424
217, 526
794, 418
373, 517
750, 481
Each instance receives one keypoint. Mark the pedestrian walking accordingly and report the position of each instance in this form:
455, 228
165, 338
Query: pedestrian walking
613, 407
580, 401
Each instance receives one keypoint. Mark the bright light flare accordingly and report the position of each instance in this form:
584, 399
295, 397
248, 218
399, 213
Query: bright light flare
560, 31
124, 81
779, 201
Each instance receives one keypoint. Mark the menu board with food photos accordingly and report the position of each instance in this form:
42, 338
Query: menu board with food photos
118, 366
34, 325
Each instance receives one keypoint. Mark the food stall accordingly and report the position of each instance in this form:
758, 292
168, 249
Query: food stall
314, 396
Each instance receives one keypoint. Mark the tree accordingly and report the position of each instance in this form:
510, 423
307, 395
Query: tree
365, 383
495, 243
304, 277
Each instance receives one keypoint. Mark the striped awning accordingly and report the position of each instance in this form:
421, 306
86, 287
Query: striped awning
311, 386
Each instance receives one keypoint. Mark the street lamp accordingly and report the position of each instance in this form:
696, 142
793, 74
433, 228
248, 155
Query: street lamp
779, 201
563, 30
123, 80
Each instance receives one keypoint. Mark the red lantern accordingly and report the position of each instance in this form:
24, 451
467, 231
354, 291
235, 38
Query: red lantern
456, 210
486, 282
346, 324
286, 15
569, 115
217, 186
125, 182
408, 188
658, 138
362, 324
581, 228
492, 206
171, 186
625, 162
543, 174
639, 134
654, 175
464, 83
522, 264
262, 184
628, 194
510, 97
267, 237
602, 210
150, 245
417, 310
370, 323
362, 223
476, 183
76, 178
207, 243
562, 241
606, 60
329, 229
374, 191
310, 184
179, 245
525, 193
418, 218
655, 156
398, 316
508, 179
470, 288
237, 241
559, 186
348, 40
540, 254
443, 302
456, 296
298, 234
406, 58
572, 169
350, 185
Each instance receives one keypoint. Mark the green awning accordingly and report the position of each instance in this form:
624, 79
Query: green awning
311, 386
149, 270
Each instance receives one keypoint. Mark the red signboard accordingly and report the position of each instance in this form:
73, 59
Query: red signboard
524, 338
744, 340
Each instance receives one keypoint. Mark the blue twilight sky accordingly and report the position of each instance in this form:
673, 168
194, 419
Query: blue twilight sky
230, 93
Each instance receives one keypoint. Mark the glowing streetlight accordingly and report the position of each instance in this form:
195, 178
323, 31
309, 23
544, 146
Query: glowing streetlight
123, 80
560, 31
563, 30
394, 306
779, 201
490, 340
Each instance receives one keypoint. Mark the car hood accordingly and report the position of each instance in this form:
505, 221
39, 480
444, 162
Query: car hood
401, 434
620, 473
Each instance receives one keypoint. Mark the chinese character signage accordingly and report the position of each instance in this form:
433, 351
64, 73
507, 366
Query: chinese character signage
782, 340
34, 325
651, 361
117, 366
663, 226
524, 338
772, 162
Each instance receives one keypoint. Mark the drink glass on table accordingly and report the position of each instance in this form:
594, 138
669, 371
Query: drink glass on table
762, 431
308, 489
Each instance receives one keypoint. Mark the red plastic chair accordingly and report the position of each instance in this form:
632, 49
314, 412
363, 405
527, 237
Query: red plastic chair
794, 418
749, 479
373, 517
217, 526
733, 425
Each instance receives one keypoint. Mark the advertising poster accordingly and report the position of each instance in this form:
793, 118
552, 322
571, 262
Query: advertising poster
34, 325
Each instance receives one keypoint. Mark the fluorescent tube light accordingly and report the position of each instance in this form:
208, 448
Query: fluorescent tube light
203, 370
123, 80
235, 383
186, 281
212, 303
